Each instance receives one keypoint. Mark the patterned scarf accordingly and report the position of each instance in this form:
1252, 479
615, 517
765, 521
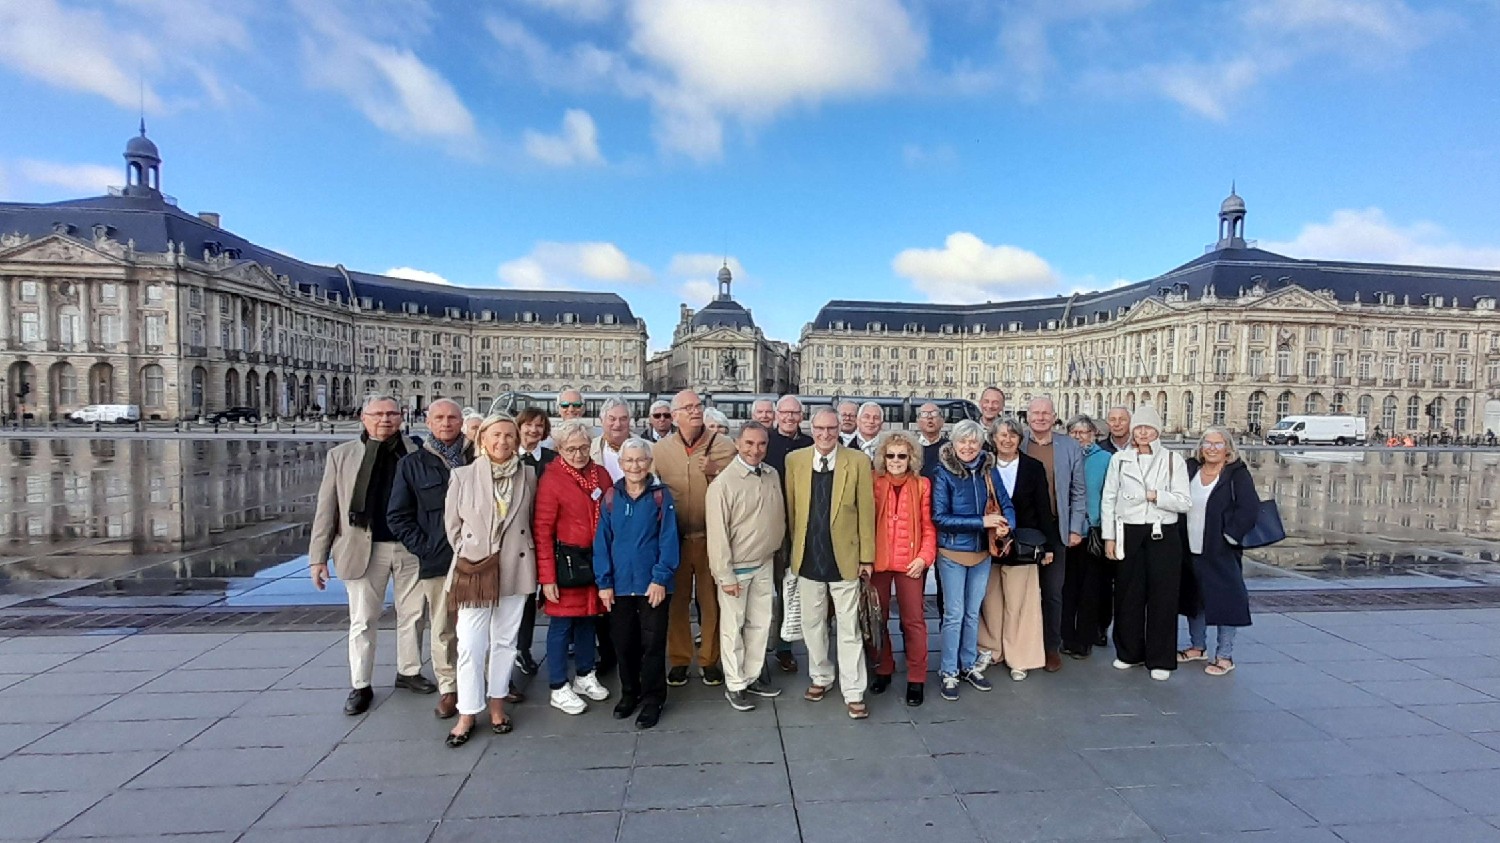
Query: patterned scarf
504, 475
589, 488
453, 454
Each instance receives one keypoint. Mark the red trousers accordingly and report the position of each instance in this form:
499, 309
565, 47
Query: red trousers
909, 601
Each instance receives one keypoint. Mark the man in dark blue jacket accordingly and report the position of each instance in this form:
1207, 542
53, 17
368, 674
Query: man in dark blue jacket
415, 515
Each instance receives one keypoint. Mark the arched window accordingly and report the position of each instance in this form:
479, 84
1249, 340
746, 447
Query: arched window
1187, 412
1366, 406
153, 386
1221, 406
1414, 413
1340, 404
1461, 416
1388, 413
1283, 405
1255, 409
1313, 403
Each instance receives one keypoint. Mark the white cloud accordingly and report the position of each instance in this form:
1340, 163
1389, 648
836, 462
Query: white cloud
386, 82
583, 10
572, 265
73, 179
698, 293
1369, 235
412, 274
968, 270
703, 265
939, 155
578, 143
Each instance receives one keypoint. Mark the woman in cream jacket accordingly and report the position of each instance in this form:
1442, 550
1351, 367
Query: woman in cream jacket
1145, 492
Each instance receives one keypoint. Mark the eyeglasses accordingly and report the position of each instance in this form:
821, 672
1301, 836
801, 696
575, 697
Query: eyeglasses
635, 460
898, 456
825, 428
373, 414
688, 408
576, 449
1217, 446
929, 414
570, 404
661, 415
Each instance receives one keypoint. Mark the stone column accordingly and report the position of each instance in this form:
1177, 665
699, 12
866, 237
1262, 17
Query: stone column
7, 330
44, 309
86, 312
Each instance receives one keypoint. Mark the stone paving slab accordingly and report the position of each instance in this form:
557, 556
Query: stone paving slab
1358, 726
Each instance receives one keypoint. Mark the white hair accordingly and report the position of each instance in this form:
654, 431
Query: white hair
612, 402
377, 399
636, 443
968, 429
568, 429
871, 405
449, 401
794, 399
713, 416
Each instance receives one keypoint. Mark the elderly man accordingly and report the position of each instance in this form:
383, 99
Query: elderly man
687, 462
415, 515
1118, 422
930, 436
830, 501
763, 412
785, 438
868, 424
614, 413
746, 520
1062, 457
659, 426
350, 526
570, 404
848, 423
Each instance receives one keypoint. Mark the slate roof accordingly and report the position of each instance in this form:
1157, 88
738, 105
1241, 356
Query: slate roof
723, 313
152, 222
1227, 271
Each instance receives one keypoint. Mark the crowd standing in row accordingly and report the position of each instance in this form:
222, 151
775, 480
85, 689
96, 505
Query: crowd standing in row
1042, 541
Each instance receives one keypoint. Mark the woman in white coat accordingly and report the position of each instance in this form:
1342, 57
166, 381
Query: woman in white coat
1145, 492
488, 517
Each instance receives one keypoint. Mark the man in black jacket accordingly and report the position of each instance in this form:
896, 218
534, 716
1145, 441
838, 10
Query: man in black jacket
416, 517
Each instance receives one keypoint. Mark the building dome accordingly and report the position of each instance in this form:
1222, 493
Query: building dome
141, 146
724, 275
1232, 204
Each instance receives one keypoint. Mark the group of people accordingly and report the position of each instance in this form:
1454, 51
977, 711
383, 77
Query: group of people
1042, 540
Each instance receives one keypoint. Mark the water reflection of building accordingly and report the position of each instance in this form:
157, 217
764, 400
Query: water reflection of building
103, 499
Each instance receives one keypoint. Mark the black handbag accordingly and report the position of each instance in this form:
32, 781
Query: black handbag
575, 566
1030, 548
1268, 529
1095, 542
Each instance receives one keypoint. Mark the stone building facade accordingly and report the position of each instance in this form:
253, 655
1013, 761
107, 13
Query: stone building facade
126, 299
720, 349
1239, 336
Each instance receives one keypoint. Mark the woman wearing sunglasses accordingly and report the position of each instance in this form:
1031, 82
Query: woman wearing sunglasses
905, 547
1225, 505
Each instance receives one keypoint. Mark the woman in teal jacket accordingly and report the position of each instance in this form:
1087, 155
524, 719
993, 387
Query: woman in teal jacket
1098, 598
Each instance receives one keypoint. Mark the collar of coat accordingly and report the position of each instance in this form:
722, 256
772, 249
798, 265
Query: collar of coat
948, 459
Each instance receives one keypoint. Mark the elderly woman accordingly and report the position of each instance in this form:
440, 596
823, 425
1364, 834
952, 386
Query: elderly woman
472, 420
1096, 600
1010, 621
1225, 506
568, 498
535, 428
1145, 492
905, 547
635, 564
716, 421
969, 504
487, 514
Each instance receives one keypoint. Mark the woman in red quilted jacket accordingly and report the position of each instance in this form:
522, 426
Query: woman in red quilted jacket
905, 547
568, 498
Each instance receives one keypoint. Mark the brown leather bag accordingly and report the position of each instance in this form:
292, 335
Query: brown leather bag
999, 545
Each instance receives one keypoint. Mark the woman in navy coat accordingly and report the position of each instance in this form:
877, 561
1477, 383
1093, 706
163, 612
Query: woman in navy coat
1225, 506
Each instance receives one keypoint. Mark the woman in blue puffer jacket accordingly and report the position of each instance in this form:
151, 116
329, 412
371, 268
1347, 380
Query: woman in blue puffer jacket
636, 553
962, 487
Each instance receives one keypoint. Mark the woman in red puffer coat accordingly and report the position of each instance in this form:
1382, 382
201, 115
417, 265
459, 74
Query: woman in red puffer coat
568, 498
905, 547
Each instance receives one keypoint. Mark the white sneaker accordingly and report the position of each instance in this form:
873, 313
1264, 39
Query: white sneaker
1016, 674
1161, 675
564, 700
1119, 665
985, 659
588, 685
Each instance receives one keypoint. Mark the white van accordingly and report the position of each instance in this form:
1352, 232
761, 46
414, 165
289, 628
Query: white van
1317, 430
107, 414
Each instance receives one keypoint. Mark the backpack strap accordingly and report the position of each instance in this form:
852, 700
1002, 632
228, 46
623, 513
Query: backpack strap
660, 505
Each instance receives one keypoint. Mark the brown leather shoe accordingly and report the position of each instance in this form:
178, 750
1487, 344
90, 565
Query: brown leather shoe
1054, 662
447, 706
786, 661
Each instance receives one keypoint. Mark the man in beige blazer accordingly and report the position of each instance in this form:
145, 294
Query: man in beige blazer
350, 526
830, 500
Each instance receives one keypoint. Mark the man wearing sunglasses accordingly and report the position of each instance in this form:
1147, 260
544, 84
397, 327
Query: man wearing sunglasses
659, 426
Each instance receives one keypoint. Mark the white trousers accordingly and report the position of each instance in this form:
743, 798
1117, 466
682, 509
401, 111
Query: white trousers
844, 596
744, 627
388, 560
489, 631
442, 640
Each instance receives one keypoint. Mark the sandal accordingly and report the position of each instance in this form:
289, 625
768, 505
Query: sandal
503, 727
858, 710
1185, 655
815, 693
1220, 667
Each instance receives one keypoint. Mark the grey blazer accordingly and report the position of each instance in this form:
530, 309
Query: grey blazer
476, 530
332, 533
1072, 487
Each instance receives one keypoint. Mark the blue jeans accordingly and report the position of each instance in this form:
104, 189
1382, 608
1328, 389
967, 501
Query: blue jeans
963, 593
560, 633
1198, 635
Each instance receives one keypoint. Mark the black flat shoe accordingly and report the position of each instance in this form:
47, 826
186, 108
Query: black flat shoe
915, 693
504, 727
417, 683
455, 741
880, 684
649, 716
625, 707
526, 664
359, 701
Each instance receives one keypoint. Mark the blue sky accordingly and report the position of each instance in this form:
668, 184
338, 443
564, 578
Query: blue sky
948, 150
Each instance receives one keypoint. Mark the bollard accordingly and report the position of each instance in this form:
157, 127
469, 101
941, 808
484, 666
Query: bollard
96, 427
255, 427
140, 427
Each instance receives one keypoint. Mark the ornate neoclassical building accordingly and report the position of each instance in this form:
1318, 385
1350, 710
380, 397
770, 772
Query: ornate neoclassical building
127, 299
720, 349
1239, 336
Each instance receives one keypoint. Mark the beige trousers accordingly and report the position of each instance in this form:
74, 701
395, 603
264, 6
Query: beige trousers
442, 638
844, 597
1010, 619
388, 561
744, 627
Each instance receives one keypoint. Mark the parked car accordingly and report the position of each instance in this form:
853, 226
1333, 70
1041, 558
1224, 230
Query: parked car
106, 414
246, 415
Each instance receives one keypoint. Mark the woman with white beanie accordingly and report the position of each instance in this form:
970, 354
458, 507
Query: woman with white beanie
1145, 492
